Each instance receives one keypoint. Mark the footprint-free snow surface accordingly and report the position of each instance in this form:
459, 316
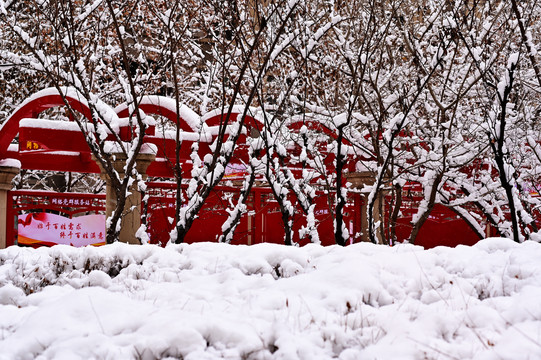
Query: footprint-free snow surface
216, 301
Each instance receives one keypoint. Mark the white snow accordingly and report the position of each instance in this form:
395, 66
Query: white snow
14, 163
54, 124
183, 136
59, 152
105, 112
113, 147
218, 301
213, 131
188, 115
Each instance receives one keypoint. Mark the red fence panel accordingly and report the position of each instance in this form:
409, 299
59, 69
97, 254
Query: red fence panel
442, 228
261, 223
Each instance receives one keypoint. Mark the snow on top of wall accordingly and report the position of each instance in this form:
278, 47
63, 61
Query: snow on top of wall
57, 152
112, 147
147, 148
10, 163
191, 117
53, 124
183, 136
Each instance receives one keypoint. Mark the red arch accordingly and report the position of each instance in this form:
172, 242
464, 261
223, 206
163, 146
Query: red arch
163, 106
317, 126
37, 103
214, 118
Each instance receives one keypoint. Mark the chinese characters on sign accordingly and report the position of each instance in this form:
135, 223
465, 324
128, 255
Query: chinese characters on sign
235, 171
67, 202
33, 145
52, 229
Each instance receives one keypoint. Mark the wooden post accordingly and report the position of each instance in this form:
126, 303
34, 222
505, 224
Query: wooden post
7, 173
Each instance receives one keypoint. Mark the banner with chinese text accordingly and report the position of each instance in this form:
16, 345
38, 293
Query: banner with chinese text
51, 229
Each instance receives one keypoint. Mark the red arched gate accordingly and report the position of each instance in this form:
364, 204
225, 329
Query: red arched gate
60, 146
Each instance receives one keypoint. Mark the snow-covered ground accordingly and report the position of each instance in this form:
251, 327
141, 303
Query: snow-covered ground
216, 301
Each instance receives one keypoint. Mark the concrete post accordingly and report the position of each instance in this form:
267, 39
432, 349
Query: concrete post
7, 173
131, 218
359, 180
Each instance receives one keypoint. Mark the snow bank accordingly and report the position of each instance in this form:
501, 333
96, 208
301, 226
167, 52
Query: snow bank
217, 301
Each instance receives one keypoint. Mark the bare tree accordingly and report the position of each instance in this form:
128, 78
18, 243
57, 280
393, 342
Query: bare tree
243, 47
58, 42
